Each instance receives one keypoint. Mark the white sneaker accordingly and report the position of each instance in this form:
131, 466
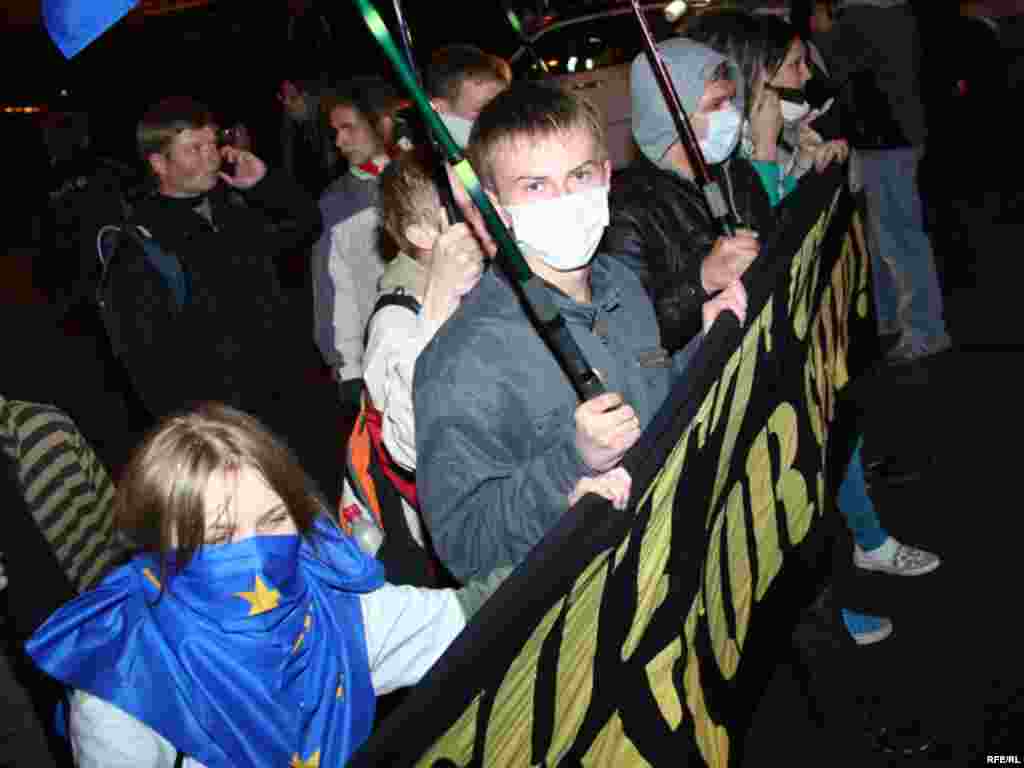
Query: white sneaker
896, 559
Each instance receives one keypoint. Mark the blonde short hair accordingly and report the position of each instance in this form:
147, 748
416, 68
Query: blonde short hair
532, 111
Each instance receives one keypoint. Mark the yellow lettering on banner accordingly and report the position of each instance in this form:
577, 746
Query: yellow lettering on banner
720, 393
815, 408
791, 488
656, 544
727, 649
826, 323
767, 488
457, 742
574, 681
612, 747
803, 279
511, 722
661, 680
743, 364
857, 229
804, 273
843, 303
712, 739
825, 352
766, 529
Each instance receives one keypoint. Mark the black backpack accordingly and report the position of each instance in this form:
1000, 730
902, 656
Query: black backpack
167, 265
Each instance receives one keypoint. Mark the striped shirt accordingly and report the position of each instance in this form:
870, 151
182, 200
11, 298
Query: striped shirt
68, 491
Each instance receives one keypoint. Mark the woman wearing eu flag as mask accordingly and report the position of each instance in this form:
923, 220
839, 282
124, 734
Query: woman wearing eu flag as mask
250, 630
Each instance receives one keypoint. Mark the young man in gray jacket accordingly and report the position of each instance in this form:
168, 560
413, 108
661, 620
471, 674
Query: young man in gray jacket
504, 445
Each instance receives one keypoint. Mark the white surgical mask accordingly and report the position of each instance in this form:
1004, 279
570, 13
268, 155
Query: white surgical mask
458, 127
563, 232
793, 112
723, 134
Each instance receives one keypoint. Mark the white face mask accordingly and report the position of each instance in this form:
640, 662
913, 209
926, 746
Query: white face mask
723, 134
458, 127
563, 232
793, 112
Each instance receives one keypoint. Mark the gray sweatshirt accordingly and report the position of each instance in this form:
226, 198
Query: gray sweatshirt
495, 430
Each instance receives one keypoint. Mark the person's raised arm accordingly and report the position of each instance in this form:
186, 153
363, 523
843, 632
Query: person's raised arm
397, 337
294, 214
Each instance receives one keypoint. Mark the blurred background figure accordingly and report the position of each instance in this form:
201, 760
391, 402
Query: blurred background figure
873, 48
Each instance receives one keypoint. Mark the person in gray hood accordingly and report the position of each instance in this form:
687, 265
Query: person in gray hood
503, 444
661, 227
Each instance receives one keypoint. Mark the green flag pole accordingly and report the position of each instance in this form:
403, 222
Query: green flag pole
536, 297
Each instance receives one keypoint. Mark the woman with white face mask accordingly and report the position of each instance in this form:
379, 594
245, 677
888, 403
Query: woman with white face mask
776, 135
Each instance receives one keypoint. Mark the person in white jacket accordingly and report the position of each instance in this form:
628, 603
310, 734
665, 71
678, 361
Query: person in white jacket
437, 263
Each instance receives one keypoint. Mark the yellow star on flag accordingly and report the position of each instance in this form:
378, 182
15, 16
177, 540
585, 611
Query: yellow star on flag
313, 762
152, 579
261, 599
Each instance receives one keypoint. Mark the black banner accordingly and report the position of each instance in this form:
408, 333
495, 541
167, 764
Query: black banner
625, 638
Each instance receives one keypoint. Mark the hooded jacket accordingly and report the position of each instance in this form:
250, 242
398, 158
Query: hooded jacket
662, 229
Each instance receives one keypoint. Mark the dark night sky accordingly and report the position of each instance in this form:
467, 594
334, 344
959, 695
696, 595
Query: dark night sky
207, 54
172, 48
204, 54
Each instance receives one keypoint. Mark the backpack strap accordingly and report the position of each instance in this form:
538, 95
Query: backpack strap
397, 299
167, 265
108, 242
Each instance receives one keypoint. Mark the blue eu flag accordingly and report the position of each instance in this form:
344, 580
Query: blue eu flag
253, 654
73, 24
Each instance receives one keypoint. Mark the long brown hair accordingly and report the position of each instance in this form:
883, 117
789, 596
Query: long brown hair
160, 499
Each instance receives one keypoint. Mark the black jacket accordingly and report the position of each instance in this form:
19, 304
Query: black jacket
874, 57
237, 339
662, 229
237, 334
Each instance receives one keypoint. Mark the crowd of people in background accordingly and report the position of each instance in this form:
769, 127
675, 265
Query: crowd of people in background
397, 394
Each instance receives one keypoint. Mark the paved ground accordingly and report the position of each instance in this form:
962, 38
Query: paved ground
951, 666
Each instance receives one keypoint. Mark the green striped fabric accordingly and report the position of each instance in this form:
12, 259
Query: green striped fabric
66, 486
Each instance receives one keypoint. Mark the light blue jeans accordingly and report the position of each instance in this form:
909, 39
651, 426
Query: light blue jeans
908, 298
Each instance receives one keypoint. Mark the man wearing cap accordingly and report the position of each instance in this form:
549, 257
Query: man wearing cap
660, 223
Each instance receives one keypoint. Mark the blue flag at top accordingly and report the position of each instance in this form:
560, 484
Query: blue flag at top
73, 24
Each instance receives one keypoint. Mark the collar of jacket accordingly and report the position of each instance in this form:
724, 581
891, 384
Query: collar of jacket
604, 291
177, 217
